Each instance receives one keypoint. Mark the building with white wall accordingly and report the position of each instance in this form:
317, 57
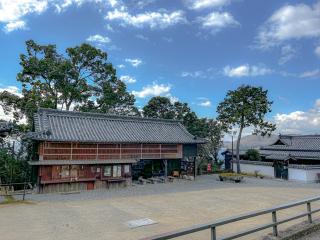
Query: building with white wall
292, 157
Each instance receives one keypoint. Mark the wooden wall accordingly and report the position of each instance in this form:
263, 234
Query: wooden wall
86, 151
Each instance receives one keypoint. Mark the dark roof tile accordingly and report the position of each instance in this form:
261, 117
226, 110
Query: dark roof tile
58, 125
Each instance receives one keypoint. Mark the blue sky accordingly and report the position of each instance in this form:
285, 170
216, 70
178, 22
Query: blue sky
194, 51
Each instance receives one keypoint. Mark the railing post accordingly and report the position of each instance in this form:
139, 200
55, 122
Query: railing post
309, 212
213, 233
275, 226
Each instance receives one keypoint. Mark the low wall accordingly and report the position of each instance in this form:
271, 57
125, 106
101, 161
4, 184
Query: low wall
250, 167
305, 173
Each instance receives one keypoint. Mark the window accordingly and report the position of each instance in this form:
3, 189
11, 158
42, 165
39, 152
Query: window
107, 171
126, 168
116, 171
64, 171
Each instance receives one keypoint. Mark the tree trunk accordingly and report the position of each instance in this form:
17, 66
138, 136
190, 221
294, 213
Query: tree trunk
238, 150
68, 104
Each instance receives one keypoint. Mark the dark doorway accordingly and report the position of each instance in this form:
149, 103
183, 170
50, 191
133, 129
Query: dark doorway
281, 169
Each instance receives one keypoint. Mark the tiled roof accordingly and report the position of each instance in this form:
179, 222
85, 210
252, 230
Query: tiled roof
295, 146
58, 125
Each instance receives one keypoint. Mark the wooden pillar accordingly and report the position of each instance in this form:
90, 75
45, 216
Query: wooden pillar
165, 168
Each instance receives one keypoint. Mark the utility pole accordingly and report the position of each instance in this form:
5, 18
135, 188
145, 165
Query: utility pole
194, 168
232, 134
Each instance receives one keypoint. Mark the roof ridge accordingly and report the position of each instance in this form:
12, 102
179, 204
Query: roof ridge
297, 136
104, 115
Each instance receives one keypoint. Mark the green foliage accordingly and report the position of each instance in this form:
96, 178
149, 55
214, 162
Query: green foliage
12, 170
81, 78
253, 155
214, 135
245, 107
162, 107
159, 107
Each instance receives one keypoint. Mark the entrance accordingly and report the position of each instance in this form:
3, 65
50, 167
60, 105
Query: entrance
281, 169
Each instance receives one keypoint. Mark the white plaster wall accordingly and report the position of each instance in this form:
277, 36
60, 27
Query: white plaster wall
251, 168
306, 175
312, 175
297, 174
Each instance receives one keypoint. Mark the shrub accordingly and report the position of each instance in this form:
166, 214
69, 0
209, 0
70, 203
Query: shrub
11, 168
253, 155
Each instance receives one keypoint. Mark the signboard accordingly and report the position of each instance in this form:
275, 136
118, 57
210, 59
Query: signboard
140, 223
209, 169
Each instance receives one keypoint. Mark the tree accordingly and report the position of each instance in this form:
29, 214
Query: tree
13, 161
159, 107
82, 79
245, 107
215, 136
111, 97
10, 103
162, 107
253, 155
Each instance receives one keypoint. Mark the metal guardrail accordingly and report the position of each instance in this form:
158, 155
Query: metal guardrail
274, 224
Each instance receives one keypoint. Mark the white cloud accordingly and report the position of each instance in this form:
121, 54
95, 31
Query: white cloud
128, 79
317, 51
172, 98
12, 12
121, 66
142, 3
167, 39
153, 90
201, 4
195, 74
9, 116
142, 37
98, 39
134, 62
246, 71
311, 74
300, 122
109, 28
290, 22
155, 20
287, 53
12, 26
215, 21
12, 89
204, 102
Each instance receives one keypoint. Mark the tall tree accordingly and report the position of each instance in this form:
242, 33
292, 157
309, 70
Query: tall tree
159, 107
162, 107
245, 107
11, 103
214, 135
82, 79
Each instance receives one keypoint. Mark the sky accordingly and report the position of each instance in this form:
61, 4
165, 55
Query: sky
193, 51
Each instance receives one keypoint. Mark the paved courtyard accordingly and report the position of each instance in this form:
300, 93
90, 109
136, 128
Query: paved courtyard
98, 215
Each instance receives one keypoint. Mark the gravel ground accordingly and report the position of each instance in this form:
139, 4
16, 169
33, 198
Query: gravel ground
313, 236
202, 183
102, 215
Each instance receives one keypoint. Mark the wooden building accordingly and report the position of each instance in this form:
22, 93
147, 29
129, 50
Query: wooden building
83, 151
